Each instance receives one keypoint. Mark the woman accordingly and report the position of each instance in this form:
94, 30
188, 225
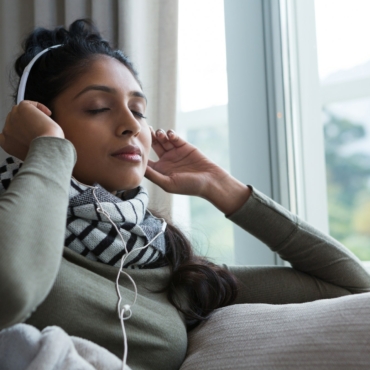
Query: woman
89, 94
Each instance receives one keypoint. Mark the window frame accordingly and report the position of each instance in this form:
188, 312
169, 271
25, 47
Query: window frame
261, 143
273, 112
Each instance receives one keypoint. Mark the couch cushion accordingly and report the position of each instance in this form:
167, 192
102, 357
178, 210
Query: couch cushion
325, 334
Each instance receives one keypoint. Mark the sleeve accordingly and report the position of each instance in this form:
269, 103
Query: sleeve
32, 227
321, 266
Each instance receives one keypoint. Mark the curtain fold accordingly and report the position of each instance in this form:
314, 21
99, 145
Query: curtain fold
146, 30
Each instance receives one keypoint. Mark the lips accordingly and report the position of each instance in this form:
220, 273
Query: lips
131, 153
129, 149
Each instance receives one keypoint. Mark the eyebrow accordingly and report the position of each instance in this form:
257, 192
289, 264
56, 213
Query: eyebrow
110, 90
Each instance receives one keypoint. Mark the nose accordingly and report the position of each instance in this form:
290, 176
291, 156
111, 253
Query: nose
127, 124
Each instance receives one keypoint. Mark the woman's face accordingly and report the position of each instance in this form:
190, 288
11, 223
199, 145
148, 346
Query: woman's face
102, 114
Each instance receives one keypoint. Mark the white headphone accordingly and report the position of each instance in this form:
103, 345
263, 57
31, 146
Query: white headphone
26, 72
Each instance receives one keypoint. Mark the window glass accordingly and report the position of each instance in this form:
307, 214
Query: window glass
343, 29
202, 119
202, 54
347, 151
344, 56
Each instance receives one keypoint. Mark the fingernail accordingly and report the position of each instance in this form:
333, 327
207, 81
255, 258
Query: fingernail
160, 132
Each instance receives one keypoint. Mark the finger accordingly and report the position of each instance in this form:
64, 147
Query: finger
156, 177
43, 108
156, 145
175, 139
151, 163
163, 139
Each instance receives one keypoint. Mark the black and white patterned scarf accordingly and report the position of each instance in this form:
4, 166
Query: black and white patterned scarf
90, 234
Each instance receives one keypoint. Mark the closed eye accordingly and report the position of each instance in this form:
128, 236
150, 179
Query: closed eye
138, 114
97, 111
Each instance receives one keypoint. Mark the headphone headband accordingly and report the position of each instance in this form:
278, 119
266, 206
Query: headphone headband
26, 72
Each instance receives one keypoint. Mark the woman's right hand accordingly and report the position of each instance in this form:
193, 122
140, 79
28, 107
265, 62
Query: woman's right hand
25, 122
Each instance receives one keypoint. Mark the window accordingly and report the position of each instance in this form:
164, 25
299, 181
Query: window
202, 118
327, 89
244, 128
291, 93
344, 70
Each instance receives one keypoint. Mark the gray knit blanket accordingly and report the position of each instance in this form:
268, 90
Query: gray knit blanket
23, 347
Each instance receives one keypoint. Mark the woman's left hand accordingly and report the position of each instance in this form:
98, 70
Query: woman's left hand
183, 169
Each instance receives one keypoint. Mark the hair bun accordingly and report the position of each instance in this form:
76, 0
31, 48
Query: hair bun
42, 38
38, 40
84, 28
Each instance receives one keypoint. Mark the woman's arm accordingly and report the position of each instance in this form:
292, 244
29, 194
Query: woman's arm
33, 213
322, 266
32, 210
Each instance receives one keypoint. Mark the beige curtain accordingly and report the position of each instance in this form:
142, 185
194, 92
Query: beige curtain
145, 29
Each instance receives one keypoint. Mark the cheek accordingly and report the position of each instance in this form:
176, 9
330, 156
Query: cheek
70, 129
82, 139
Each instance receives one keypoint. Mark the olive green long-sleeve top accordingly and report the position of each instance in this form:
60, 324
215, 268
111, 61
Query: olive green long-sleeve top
45, 284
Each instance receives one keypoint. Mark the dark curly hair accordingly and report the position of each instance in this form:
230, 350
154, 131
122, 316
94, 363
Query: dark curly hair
54, 71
